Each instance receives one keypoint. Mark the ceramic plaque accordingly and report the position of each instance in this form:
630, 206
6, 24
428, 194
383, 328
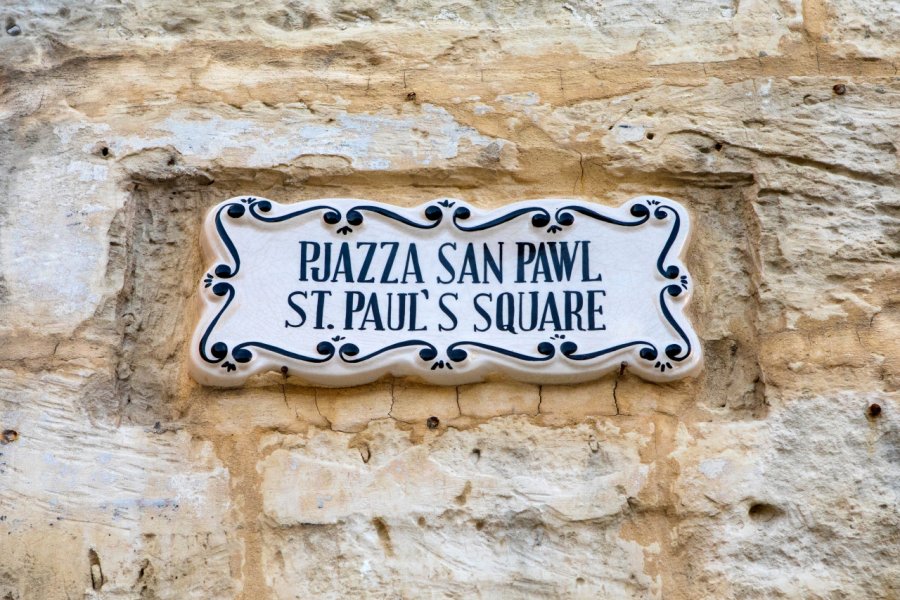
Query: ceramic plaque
341, 292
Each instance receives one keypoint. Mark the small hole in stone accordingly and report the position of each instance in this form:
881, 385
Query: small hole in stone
432, 422
421, 521
874, 410
365, 453
651, 135
762, 512
9, 436
579, 581
718, 146
479, 524
104, 151
411, 96
171, 161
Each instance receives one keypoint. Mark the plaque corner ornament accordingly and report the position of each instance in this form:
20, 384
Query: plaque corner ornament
342, 291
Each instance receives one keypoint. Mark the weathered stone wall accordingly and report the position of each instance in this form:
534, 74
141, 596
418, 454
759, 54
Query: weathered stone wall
775, 122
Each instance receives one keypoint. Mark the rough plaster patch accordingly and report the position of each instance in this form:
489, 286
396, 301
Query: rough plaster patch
57, 253
379, 141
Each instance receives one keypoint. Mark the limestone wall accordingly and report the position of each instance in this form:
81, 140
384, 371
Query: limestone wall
775, 122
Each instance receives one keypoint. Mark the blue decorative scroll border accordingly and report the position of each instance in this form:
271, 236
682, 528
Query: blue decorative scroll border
564, 216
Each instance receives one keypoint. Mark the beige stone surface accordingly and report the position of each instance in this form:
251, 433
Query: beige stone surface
764, 477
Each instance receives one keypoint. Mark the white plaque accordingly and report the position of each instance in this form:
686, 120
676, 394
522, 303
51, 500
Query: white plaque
341, 292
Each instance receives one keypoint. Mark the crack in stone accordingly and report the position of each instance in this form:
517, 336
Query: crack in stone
580, 179
390, 413
621, 372
316, 401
